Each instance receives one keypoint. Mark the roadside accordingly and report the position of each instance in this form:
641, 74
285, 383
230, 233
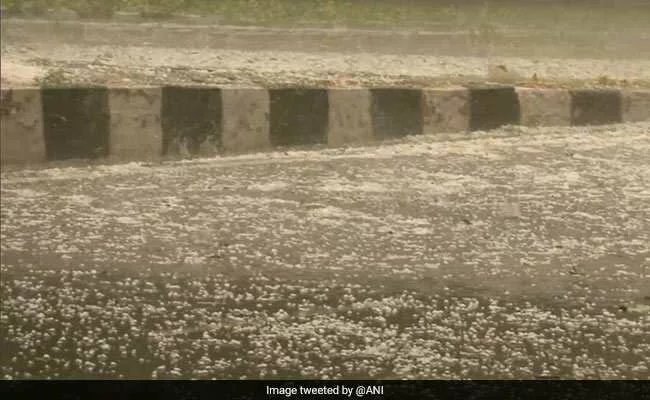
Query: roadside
380, 14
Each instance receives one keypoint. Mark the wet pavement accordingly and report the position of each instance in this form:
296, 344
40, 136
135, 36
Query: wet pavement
546, 39
520, 254
50, 53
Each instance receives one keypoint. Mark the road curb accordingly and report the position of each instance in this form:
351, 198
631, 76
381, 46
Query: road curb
149, 123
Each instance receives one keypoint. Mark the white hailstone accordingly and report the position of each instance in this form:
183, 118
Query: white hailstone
161, 368
281, 315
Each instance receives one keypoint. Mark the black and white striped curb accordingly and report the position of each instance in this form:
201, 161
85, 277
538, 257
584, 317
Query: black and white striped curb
132, 124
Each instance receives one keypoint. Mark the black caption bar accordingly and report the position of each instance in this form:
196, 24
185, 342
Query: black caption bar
371, 390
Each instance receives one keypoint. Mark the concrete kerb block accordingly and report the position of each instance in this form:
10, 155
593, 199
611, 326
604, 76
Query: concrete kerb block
21, 126
136, 131
146, 122
544, 107
396, 112
350, 120
245, 119
445, 110
298, 116
636, 105
76, 122
596, 107
492, 107
191, 120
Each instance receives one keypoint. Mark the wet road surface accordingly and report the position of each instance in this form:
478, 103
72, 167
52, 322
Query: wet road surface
520, 254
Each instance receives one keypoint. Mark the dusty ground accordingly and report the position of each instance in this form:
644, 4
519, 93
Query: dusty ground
521, 254
35, 53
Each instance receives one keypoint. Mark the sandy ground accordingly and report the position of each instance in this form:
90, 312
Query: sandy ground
136, 54
520, 254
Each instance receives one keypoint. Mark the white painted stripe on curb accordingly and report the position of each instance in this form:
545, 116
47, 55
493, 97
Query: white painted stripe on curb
245, 119
445, 110
544, 107
21, 127
136, 133
636, 105
350, 121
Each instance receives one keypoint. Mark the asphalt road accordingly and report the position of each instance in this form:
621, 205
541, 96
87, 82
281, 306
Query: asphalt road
553, 40
520, 254
127, 55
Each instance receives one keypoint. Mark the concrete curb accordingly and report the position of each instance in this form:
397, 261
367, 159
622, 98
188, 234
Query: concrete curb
149, 123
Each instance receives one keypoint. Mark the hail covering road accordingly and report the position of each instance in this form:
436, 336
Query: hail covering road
519, 254
126, 54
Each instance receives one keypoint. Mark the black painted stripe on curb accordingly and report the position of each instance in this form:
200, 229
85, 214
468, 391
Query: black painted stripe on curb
191, 118
596, 107
298, 116
493, 107
396, 112
76, 123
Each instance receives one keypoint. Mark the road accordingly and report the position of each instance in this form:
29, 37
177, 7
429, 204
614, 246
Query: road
521, 253
127, 55
543, 38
